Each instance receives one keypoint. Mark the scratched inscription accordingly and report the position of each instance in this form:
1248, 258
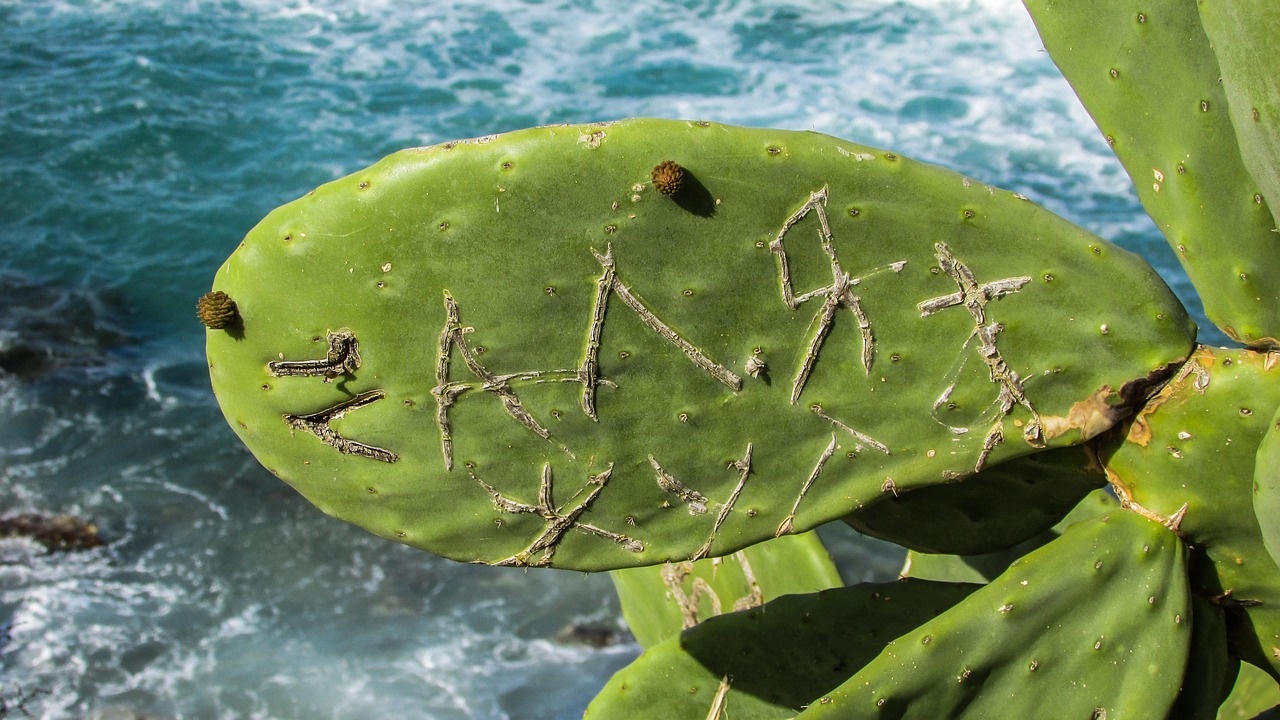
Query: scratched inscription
839, 294
558, 521
459, 375
975, 296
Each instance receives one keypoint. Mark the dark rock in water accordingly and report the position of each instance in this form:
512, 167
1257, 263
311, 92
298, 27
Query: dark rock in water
590, 635
46, 328
19, 701
57, 532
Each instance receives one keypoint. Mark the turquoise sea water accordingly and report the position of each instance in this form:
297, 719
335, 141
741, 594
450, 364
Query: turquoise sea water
140, 140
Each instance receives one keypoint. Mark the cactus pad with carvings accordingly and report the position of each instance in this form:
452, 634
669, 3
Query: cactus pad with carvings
514, 350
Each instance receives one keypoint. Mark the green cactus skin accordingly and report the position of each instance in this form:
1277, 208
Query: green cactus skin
661, 600
514, 351
1254, 693
1243, 34
1147, 75
988, 566
1188, 459
1094, 624
1211, 671
772, 661
993, 510
1266, 488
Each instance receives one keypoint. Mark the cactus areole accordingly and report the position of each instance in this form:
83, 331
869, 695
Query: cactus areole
519, 350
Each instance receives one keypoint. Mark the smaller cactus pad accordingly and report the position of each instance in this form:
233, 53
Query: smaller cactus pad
1095, 624
1188, 460
661, 600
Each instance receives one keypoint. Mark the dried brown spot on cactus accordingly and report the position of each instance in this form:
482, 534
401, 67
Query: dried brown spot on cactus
216, 310
668, 177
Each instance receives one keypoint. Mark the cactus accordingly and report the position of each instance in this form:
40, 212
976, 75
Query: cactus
1024, 642
1188, 459
660, 601
393, 382
670, 349
985, 567
1211, 669
1150, 78
1253, 693
1242, 34
772, 661
1266, 488
990, 511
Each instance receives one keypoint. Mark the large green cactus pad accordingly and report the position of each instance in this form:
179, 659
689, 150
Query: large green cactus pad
659, 601
772, 661
1145, 71
990, 511
1211, 670
522, 350
1094, 624
1266, 488
1254, 692
986, 567
1243, 34
1188, 459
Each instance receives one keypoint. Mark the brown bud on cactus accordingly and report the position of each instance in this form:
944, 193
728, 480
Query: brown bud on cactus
216, 310
667, 177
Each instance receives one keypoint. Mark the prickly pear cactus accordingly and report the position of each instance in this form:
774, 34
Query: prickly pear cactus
1252, 696
988, 566
662, 343
660, 601
1151, 80
1243, 34
525, 350
1187, 460
989, 511
772, 661
1059, 629
1266, 488
1211, 669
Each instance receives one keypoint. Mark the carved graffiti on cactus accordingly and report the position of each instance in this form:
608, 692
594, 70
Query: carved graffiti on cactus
743, 466
446, 391
788, 523
542, 550
453, 335
615, 286
318, 424
861, 439
675, 575
837, 295
974, 296
343, 358
697, 502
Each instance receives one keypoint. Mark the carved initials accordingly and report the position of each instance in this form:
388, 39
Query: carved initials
836, 295
318, 424
557, 523
974, 296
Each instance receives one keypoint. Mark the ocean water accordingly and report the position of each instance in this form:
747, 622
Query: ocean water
139, 141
